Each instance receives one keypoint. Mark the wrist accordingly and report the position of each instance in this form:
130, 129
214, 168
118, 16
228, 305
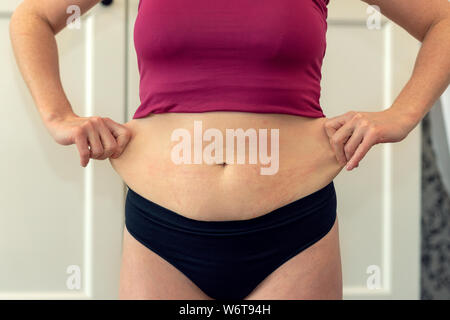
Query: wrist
53, 117
409, 119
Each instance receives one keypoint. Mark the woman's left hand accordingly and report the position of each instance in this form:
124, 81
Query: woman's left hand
352, 134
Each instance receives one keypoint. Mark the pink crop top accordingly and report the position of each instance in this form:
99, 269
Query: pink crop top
262, 56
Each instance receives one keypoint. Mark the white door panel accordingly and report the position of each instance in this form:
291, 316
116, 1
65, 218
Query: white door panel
53, 212
378, 202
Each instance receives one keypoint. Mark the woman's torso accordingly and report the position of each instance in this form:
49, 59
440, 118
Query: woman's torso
306, 163
229, 65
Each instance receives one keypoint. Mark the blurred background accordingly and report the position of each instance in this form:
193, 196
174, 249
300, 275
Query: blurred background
61, 225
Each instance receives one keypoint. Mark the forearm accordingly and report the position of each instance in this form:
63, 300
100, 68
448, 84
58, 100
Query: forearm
36, 53
430, 76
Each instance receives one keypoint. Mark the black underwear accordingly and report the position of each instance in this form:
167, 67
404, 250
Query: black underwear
228, 259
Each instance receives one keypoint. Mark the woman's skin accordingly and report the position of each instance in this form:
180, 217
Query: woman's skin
312, 151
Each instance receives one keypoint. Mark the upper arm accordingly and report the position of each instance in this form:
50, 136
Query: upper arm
54, 12
415, 16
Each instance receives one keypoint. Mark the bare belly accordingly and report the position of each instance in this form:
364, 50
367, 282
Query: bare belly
229, 191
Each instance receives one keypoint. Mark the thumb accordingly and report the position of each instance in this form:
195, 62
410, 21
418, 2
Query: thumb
121, 133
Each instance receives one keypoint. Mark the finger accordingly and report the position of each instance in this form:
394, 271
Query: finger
108, 141
339, 139
334, 124
331, 126
368, 141
94, 142
83, 148
121, 133
354, 141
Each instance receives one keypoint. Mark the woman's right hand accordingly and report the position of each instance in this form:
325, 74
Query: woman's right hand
95, 137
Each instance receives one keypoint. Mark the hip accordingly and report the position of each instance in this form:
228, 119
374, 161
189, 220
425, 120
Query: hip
203, 167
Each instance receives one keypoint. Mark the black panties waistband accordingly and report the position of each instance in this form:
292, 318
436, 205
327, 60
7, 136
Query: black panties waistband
294, 210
